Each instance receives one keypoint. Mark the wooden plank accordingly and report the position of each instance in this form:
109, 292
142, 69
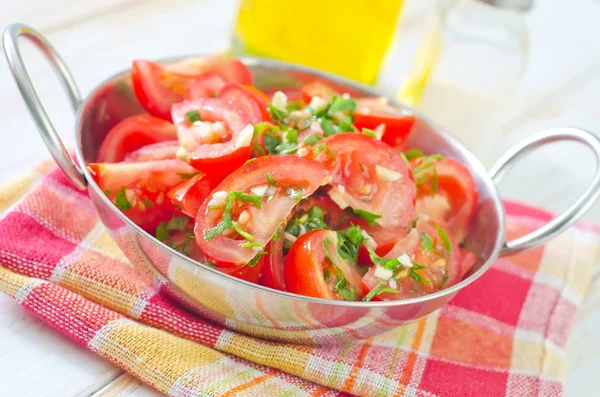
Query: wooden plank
38, 361
126, 385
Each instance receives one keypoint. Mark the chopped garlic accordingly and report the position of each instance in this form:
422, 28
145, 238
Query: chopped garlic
382, 273
181, 154
257, 248
341, 188
243, 218
369, 242
386, 174
316, 127
260, 190
337, 198
317, 103
346, 95
245, 137
393, 283
271, 190
289, 237
405, 261
280, 100
218, 199
383, 101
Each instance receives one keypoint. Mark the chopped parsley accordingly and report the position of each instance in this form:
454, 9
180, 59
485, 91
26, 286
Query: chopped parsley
367, 216
277, 114
247, 198
295, 194
257, 258
271, 180
348, 242
192, 116
294, 105
183, 247
328, 127
121, 200
313, 220
312, 139
426, 242
421, 172
377, 290
391, 264
341, 286
341, 104
369, 132
416, 276
277, 234
184, 175
445, 240
318, 149
413, 154
251, 244
176, 223
226, 221
108, 192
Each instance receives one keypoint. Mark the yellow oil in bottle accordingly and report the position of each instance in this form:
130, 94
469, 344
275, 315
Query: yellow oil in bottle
346, 37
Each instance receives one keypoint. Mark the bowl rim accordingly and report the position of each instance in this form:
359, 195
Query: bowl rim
271, 63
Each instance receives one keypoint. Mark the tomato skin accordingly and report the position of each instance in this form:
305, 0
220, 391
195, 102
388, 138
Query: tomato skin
228, 68
372, 112
304, 271
217, 159
133, 133
190, 195
467, 260
246, 100
263, 224
272, 269
456, 184
355, 157
156, 151
317, 88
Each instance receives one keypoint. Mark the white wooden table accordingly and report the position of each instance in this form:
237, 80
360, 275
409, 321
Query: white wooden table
99, 38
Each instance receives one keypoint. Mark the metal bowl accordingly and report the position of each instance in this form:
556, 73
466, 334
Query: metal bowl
251, 308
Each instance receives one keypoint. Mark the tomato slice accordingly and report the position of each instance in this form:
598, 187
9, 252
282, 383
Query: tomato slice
157, 88
254, 205
190, 195
228, 68
157, 151
313, 267
467, 260
139, 189
454, 201
373, 112
247, 100
317, 88
272, 270
133, 133
248, 273
439, 267
217, 144
369, 177
335, 217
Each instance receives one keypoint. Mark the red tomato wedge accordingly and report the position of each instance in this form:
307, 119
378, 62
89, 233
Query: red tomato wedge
139, 189
246, 208
373, 112
228, 68
133, 133
157, 151
248, 273
369, 177
190, 195
455, 199
158, 89
438, 266
313, 267
246, 100
272, 269
219, 142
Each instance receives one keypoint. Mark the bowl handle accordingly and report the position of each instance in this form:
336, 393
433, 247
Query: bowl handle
576, 210
36, 109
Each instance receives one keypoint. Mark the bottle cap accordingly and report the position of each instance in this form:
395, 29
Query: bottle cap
516, 5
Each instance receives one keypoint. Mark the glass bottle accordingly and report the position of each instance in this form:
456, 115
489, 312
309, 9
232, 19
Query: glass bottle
469, 69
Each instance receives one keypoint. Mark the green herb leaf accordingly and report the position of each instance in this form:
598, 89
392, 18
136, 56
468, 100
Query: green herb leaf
377, 290
121, 200
405, 159
107, 192
348, 242
329, 154
346, 124
294, 105
312, 139
161, 232
426, 242
242, 232
347, 294
278, 233
413, 154
184, 175
390, 264
251, 245
328, 127
326, 244
192, 116
271, 180
369, 132
255, 260
318, 149
277, 115
446, 242
341, 104
226, 222
326, 275
247, 198
177, 223
367, 216
416, 276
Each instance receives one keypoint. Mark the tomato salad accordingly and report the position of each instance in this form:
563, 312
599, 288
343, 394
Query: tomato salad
315, 196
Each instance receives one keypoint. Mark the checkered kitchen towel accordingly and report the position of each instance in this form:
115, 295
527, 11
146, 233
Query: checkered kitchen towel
503, 335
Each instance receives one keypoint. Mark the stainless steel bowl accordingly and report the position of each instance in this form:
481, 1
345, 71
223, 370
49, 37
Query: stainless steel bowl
251, 308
